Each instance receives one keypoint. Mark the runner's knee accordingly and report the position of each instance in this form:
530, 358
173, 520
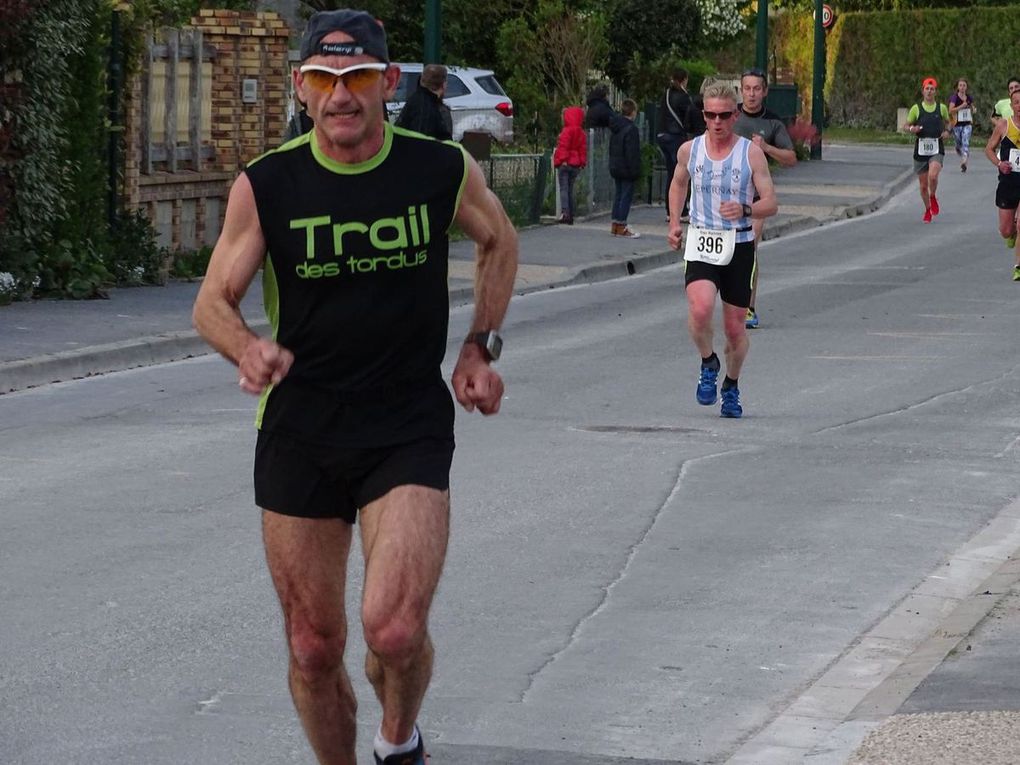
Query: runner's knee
317, 655
393, 635
735, 327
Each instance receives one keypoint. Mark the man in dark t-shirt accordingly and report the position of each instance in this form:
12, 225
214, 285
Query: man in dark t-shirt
766, 131
349, 224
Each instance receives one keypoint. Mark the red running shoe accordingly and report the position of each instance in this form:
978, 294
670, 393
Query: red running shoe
927, 216
934, 205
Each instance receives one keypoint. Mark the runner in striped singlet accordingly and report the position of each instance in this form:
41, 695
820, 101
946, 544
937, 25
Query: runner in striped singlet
726, 172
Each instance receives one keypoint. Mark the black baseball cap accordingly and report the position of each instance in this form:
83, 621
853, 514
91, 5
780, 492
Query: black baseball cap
369, 37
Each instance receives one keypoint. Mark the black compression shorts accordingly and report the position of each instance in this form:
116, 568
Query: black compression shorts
732, 280
1007, 195
296, 478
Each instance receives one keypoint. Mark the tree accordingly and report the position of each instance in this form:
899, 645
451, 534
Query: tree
643, 30
549, 55
721, 20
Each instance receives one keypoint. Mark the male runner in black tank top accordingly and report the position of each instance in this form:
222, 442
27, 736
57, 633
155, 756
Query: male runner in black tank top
349, 224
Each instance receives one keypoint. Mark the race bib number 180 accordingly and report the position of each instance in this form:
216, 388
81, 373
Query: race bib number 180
710, 246
927, 147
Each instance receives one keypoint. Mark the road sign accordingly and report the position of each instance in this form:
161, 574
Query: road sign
828, 17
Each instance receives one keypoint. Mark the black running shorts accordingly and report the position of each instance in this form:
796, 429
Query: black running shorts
300, 479
1007, 195
732, 280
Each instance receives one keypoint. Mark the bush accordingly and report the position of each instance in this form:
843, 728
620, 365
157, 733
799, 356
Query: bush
191, 265
803, 135
133, 256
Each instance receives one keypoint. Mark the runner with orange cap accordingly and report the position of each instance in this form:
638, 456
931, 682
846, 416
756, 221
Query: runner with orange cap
929, 121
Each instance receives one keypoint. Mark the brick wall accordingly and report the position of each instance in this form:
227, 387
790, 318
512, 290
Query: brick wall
186, 207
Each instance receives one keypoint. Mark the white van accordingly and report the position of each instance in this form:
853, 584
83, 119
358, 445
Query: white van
477, 101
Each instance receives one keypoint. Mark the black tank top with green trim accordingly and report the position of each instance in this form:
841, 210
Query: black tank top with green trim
355, 284
1009, 142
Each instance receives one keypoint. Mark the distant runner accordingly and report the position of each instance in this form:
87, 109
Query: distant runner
961, 111
766, 131
928, 121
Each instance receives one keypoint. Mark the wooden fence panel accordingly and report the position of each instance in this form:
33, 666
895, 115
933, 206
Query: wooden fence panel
176, 102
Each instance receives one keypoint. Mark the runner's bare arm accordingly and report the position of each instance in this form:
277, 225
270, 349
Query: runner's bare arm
678, 195
767, 205
481, 216
991, 148
785, 157
237, 257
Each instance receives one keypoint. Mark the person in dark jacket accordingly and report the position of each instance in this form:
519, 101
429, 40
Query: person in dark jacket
570, 156
673, 120
425, 111
599, 113
624, 165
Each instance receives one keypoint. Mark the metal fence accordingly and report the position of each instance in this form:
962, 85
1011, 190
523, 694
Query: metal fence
594, 187
521, 182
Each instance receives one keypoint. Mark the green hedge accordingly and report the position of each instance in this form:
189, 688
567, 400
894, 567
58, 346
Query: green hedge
875, 61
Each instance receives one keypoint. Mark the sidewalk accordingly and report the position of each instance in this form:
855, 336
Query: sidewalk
52, 340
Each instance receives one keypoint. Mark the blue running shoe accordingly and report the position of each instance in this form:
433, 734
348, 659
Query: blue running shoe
706, 386
751, 321
731, 403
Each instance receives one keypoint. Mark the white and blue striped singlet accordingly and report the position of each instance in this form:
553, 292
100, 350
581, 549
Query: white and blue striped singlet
717, 181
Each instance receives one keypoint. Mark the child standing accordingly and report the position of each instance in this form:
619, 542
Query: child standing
570, 156
624, 165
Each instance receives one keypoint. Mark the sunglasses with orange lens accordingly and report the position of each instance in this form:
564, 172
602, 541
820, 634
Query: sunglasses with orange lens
356, 79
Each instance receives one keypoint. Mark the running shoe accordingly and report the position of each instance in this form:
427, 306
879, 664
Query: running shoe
706, 385
963, 167
927, 216
731, 403
934, 205
1016, 273
415, 757
1011, 242
751, 321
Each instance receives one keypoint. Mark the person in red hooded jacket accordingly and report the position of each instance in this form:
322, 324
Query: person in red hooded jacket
570, 156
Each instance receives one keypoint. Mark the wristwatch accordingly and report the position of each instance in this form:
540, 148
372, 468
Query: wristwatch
489, 341
747, 211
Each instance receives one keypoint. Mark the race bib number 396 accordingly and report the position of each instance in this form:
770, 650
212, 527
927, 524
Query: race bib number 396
710, 246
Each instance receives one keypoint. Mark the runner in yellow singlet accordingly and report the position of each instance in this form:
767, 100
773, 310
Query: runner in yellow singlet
1003, 151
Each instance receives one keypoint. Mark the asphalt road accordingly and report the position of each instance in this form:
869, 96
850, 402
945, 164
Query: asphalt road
629, 575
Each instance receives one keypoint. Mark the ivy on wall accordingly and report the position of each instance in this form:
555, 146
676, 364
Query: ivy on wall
55, 232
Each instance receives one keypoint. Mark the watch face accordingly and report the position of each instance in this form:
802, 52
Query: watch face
494, 345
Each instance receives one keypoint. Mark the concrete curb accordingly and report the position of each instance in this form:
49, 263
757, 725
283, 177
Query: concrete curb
102, 359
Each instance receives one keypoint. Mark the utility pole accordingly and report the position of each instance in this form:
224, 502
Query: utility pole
818, 83
761, 51
433, 31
